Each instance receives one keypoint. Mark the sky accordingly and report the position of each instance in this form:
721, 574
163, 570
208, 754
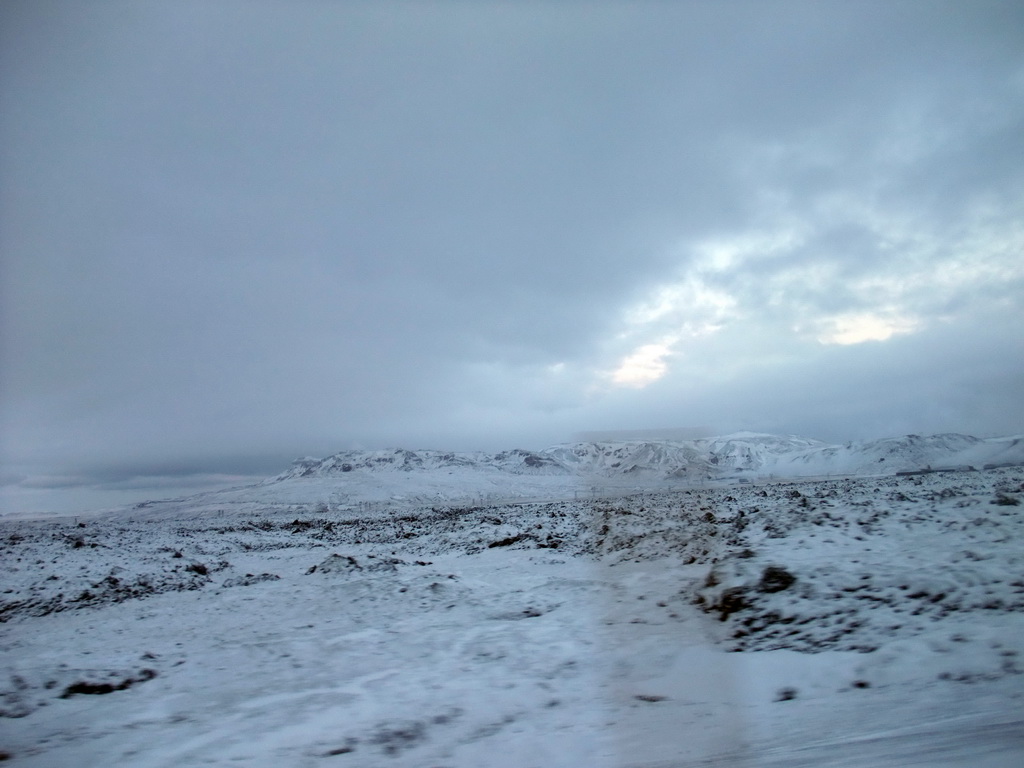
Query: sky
234, 233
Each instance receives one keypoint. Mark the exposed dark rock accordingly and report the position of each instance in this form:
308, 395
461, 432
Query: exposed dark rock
775, 579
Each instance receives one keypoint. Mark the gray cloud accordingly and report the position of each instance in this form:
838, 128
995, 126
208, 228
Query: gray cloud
232, 234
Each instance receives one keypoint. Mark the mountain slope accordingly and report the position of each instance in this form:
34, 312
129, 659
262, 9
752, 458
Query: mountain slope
741, 454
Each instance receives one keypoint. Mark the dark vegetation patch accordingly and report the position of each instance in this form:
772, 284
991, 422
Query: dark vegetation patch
249, 579
348, 747
505, 542
93, 688
393, 738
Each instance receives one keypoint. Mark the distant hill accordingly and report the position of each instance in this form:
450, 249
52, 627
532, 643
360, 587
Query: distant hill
381, 479
743, 454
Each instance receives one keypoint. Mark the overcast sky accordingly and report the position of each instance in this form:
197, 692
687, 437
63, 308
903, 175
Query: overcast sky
233, 233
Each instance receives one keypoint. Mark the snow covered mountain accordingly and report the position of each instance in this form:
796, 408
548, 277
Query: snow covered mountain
516, 461
382, 480
741, 454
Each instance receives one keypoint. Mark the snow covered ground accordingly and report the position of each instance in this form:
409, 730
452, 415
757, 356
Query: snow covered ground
846, 622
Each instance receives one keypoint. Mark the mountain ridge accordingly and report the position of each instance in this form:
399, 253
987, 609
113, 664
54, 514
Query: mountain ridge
740, 454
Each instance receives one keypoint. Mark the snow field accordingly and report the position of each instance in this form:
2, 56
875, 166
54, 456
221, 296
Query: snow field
851, 622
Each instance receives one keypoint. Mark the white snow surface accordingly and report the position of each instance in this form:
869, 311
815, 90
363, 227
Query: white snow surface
624, 619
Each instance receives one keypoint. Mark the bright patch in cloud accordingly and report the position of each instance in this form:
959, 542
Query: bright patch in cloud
723, 254
689, 305
645, 366
865, 326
